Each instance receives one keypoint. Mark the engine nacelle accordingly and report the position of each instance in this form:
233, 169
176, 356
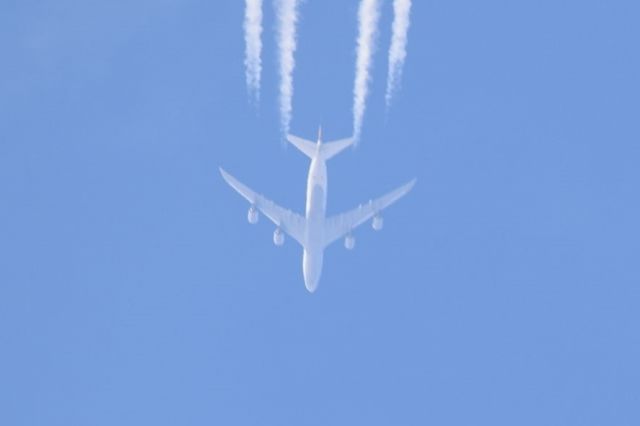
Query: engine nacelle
349, 242
278, 237
377, 222
252, 215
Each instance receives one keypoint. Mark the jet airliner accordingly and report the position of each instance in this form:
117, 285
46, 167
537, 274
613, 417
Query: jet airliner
314, 231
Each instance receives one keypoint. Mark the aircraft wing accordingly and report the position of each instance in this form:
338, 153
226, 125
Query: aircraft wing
291, 223
340, 225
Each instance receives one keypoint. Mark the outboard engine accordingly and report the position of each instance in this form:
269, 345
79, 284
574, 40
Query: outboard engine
252, 215
377, 222
278, 237
349, 242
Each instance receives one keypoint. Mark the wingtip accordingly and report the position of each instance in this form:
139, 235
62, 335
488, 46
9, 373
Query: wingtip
224, 174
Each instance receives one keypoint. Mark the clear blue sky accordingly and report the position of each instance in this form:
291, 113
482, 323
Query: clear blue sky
504, 290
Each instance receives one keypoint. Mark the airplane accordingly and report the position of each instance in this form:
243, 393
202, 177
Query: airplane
314, 231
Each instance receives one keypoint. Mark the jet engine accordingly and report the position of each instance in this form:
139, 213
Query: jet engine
377, 222
252, 215
349, 242
278, 237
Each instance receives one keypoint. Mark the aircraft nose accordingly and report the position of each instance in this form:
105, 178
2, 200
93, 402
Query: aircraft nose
311, 269
311, 279
311, 285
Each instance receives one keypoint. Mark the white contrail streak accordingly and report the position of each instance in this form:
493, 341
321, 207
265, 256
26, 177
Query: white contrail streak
368, 14
287, 11
253, 46
398, 49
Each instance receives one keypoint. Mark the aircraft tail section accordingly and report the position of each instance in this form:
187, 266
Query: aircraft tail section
326, 150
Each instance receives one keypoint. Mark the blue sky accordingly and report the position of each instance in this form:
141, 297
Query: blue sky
504, 289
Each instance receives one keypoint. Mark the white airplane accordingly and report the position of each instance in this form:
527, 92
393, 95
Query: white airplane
315, 231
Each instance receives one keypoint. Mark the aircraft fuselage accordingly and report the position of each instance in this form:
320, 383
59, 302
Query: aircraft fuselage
315, 214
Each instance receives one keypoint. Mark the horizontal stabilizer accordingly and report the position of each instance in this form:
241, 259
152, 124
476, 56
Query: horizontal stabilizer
330, 149
307, 147
326, 150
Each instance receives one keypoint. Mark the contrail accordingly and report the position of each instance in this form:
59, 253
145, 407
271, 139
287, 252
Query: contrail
368, 14
287, 11
253, 46
398, 49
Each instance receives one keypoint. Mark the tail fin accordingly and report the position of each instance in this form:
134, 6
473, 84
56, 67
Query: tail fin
327, 150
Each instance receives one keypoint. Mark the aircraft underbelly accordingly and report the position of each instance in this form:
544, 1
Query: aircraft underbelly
314, 247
